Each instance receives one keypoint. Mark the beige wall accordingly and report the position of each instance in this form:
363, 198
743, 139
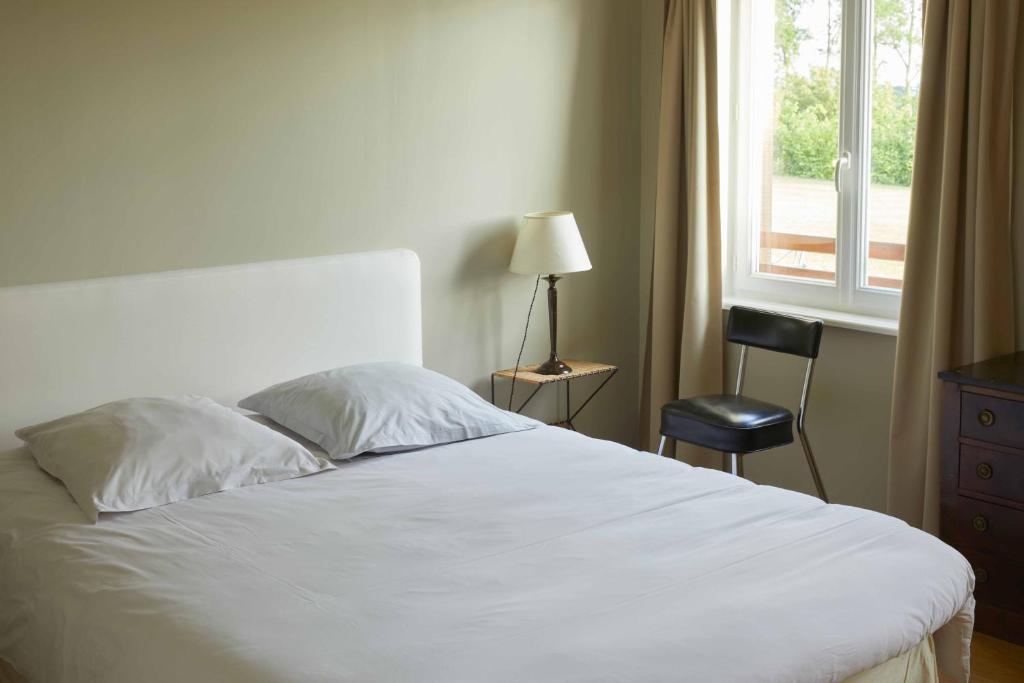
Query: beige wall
847, 417
141, 136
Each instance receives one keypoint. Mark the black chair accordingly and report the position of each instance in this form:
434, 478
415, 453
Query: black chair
737, 424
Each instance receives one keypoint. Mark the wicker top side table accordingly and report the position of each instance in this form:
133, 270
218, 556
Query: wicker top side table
580, 368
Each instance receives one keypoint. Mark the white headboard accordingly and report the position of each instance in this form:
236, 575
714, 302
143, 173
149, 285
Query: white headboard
220, 332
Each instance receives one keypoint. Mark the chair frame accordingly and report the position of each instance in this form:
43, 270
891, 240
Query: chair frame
733, 462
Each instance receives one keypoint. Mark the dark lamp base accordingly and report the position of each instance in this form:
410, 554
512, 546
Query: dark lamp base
553, 366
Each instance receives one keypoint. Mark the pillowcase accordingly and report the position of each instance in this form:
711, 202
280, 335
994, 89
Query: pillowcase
313, 448
382, 408
143, 452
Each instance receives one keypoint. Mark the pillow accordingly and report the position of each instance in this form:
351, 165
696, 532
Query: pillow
143, 452
382, 408
313, 448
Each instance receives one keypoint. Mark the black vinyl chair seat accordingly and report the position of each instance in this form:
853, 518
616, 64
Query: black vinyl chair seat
728, 423
737, 424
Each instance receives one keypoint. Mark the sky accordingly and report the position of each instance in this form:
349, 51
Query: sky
814, 18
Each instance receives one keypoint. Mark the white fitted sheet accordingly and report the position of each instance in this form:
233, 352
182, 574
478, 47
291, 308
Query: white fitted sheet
535, 556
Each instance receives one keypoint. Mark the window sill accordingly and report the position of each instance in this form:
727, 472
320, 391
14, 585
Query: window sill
849, 321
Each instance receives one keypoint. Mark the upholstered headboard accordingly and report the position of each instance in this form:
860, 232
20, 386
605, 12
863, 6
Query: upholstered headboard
220, 332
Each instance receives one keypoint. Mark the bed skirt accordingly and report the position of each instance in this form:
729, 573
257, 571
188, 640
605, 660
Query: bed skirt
917, 665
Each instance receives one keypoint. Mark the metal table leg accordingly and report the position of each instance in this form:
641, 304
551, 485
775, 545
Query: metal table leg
570, 414
592, 395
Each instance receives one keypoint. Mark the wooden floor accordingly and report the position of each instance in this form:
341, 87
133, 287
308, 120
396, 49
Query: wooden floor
996, 661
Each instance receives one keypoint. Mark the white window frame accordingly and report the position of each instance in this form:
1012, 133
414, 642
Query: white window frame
849, 295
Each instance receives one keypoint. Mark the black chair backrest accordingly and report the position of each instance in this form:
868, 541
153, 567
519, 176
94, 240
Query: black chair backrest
774, 331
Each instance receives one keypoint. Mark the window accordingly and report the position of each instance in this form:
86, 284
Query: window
821, 130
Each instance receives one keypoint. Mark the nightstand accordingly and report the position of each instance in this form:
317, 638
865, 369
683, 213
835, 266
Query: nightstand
580, 368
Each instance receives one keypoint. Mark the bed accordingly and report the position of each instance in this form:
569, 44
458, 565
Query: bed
541, 555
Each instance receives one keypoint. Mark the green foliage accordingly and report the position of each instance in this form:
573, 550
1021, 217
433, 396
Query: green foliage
891, 20
806, 134
898, 28
788, 35
807, 106
893, 122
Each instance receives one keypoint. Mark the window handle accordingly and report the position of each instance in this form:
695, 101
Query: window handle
841, 164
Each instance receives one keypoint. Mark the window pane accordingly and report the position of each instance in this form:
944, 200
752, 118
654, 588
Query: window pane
798, 201
896, 77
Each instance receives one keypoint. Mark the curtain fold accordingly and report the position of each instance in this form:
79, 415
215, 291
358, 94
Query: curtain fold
958, 293
683, 348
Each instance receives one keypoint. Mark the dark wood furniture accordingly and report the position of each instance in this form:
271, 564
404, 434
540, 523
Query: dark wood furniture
982, 508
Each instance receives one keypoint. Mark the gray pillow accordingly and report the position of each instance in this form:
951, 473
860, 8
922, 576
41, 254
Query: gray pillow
142, 452
382, 408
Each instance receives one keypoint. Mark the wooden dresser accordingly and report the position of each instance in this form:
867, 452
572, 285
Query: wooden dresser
982, 509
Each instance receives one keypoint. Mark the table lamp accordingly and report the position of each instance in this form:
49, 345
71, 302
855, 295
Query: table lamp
549, 242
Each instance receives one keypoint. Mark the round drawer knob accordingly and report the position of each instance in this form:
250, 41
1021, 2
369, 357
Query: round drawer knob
980, 575
987, 418
980, 523
984, 470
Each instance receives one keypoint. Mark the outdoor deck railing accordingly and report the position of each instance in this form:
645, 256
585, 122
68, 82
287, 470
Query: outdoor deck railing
887, 251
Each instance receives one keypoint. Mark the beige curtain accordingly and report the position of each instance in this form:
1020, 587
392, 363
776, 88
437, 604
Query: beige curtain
683, 353
958, 301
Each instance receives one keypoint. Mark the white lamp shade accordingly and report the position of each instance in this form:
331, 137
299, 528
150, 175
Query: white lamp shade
549, 242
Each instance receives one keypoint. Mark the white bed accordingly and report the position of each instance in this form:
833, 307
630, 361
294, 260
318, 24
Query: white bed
541, 555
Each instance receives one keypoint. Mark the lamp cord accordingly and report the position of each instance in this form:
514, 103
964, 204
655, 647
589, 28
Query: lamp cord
519, 358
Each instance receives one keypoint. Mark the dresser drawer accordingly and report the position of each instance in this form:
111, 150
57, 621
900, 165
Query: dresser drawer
994, 473
997, 581
996, 420
986, 528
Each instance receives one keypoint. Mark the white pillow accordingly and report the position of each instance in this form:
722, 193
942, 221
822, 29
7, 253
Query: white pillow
382, 408
143, 452
313, 448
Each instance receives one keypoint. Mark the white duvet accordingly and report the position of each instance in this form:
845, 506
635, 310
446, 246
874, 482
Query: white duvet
535, 556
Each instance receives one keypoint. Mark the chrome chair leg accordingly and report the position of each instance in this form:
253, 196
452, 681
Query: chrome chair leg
801, 432
733, 463
661, 445
811, 463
